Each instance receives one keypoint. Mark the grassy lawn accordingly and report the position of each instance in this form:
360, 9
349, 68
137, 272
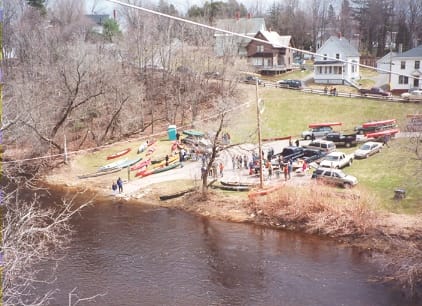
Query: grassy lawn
288, 112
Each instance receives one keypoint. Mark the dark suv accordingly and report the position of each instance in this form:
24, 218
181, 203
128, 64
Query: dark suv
289, 83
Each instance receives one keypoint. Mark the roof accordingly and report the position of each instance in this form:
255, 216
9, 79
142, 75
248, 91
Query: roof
415, 52
276, 40
386, 58
342, 45
97, 18
248, 26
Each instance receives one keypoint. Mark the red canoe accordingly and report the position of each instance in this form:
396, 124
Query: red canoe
390, 132
141, 171
118, 154
315, 125
379, 123
141, 164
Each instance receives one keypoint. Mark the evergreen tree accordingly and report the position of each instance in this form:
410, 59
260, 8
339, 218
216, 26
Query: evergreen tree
110, 29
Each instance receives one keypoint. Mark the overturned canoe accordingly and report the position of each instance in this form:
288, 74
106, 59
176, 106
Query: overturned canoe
232, 188
177, 194
117, 164
119, 154
194, 133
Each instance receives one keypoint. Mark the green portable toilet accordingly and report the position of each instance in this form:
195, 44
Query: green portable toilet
171, 132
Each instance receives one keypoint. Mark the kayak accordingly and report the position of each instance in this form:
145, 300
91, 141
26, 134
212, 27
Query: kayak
130, 162
390, 132
120, 153
315, 125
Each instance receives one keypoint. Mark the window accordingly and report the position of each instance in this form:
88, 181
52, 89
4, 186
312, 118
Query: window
417, 64
320, 69
330, 70
260, 48
337, 56
403, 79
325, 57
339, 70
402, 65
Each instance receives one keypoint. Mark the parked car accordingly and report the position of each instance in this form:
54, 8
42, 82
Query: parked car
252, 80
317, 132
322, 145
374, 91
367, 149
414, 95
337, 160
291, 153
289, 83
335, 177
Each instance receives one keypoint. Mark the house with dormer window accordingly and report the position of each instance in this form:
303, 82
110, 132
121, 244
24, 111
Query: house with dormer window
337, 63
272, 56
406, 68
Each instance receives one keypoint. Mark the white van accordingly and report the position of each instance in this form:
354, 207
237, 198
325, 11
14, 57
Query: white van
323, 145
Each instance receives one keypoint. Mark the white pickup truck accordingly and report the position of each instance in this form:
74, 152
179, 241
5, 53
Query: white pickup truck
337, 160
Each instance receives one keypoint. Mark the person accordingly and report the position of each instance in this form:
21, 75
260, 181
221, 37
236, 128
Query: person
270, 171
290, 168
203, 172
221, 169
312, 137
334, 91
114, 187
167, 160
297, 142
385, 140
304, 166
325, 90
181, 157
285, 171
177, 136
290, 142
120, 184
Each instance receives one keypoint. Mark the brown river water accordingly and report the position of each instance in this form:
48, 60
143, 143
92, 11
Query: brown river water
143, 255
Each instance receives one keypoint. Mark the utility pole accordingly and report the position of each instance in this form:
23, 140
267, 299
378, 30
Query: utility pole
258, 114
392, 34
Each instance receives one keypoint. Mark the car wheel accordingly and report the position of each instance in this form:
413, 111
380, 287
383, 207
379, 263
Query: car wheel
307, 137
347, 144
347, 185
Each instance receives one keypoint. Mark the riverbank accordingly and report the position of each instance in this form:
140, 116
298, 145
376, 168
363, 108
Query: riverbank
351, 217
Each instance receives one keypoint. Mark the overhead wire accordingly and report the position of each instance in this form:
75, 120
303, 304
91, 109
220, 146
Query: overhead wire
210, 117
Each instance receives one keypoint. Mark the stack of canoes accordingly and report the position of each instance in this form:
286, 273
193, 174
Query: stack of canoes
141, 165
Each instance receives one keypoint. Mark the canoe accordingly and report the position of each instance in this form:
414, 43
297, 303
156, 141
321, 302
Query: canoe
315, 125
379, 123
130, 162
141, 171
169, 167
194, 133
233, 188
237, 184
261, 192
177, 194
142, 147
150, 151
113, 165
119, 154
140, 165
162, 163
390, 132
95, 174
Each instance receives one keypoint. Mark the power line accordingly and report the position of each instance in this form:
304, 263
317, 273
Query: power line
248, 37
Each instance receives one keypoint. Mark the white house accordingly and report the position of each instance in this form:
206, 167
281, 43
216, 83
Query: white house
329, 67
384, 64
406, 70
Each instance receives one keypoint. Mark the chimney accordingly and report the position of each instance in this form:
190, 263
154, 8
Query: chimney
400, 48
114, 14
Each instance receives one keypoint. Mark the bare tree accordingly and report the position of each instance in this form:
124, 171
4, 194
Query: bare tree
31, 235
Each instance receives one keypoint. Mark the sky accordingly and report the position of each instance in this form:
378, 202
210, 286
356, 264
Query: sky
106, 7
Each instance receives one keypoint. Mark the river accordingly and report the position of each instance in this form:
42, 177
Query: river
144, 255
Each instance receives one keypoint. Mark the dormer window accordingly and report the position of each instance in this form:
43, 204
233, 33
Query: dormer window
337, 56
325, 57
